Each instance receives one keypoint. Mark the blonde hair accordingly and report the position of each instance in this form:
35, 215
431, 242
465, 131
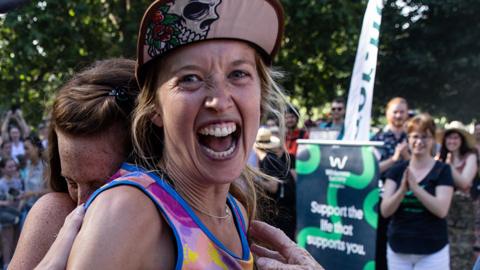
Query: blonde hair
148, 138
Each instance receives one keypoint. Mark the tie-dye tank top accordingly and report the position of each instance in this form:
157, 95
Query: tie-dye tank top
197, 247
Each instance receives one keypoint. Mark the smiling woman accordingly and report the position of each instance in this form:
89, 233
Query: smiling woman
205, 83
212, 85
458, 150
417, 195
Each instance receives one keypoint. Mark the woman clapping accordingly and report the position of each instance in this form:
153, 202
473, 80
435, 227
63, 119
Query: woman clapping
417, 196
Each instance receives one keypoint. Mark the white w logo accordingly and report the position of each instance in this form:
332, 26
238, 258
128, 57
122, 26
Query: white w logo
337, 162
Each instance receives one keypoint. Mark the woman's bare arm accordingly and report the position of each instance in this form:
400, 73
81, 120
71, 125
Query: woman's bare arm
40, 229
57, 256
122, 229
464, 180
437, 204
392, 196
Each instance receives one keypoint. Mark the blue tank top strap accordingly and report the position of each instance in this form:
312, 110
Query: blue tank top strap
237, 216
117, 182
125, 181
124, 176
181, 219
241, 226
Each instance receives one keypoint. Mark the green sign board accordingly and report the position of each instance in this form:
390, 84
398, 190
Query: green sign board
337, 197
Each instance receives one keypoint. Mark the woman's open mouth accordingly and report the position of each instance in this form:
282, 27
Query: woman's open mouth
219, 140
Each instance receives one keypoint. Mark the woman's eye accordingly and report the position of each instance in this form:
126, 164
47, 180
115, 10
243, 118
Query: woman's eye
238, 74
191, 78
190, 82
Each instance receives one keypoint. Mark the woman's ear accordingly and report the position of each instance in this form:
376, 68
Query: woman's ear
156, 118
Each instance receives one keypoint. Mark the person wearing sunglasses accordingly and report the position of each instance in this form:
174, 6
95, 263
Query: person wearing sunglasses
337, 117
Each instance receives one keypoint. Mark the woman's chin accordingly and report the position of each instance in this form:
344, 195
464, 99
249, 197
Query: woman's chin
222, 176
227, 170
420, 153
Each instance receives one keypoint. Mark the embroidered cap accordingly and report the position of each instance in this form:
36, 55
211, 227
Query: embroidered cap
168, 24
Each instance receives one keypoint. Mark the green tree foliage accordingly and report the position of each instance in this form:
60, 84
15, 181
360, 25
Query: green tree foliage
44, 42
430, 55
319, 48
429, 50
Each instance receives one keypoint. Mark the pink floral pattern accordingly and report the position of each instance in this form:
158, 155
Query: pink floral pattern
162, 31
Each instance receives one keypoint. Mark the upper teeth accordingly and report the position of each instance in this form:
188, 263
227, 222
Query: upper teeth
221, 130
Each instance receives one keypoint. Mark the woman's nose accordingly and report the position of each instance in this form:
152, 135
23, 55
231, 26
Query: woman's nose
219, 97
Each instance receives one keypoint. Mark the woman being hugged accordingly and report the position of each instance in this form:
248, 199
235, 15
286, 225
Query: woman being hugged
89, 139
417, 195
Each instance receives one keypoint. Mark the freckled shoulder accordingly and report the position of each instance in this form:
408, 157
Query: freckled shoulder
40, 229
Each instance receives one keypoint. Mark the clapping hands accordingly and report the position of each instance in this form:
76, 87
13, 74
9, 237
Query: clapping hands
409, 181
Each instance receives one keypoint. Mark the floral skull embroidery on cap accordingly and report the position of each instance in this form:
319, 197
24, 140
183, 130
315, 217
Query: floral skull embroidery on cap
179, 22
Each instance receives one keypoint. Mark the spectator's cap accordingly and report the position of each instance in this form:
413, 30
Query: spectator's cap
265, 140
457, 126
169, 24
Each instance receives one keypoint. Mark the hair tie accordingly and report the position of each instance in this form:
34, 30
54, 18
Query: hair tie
120, 93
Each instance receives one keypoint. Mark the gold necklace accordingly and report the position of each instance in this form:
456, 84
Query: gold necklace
227, 212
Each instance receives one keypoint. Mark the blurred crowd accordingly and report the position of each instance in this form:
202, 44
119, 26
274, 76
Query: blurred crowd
22, 181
